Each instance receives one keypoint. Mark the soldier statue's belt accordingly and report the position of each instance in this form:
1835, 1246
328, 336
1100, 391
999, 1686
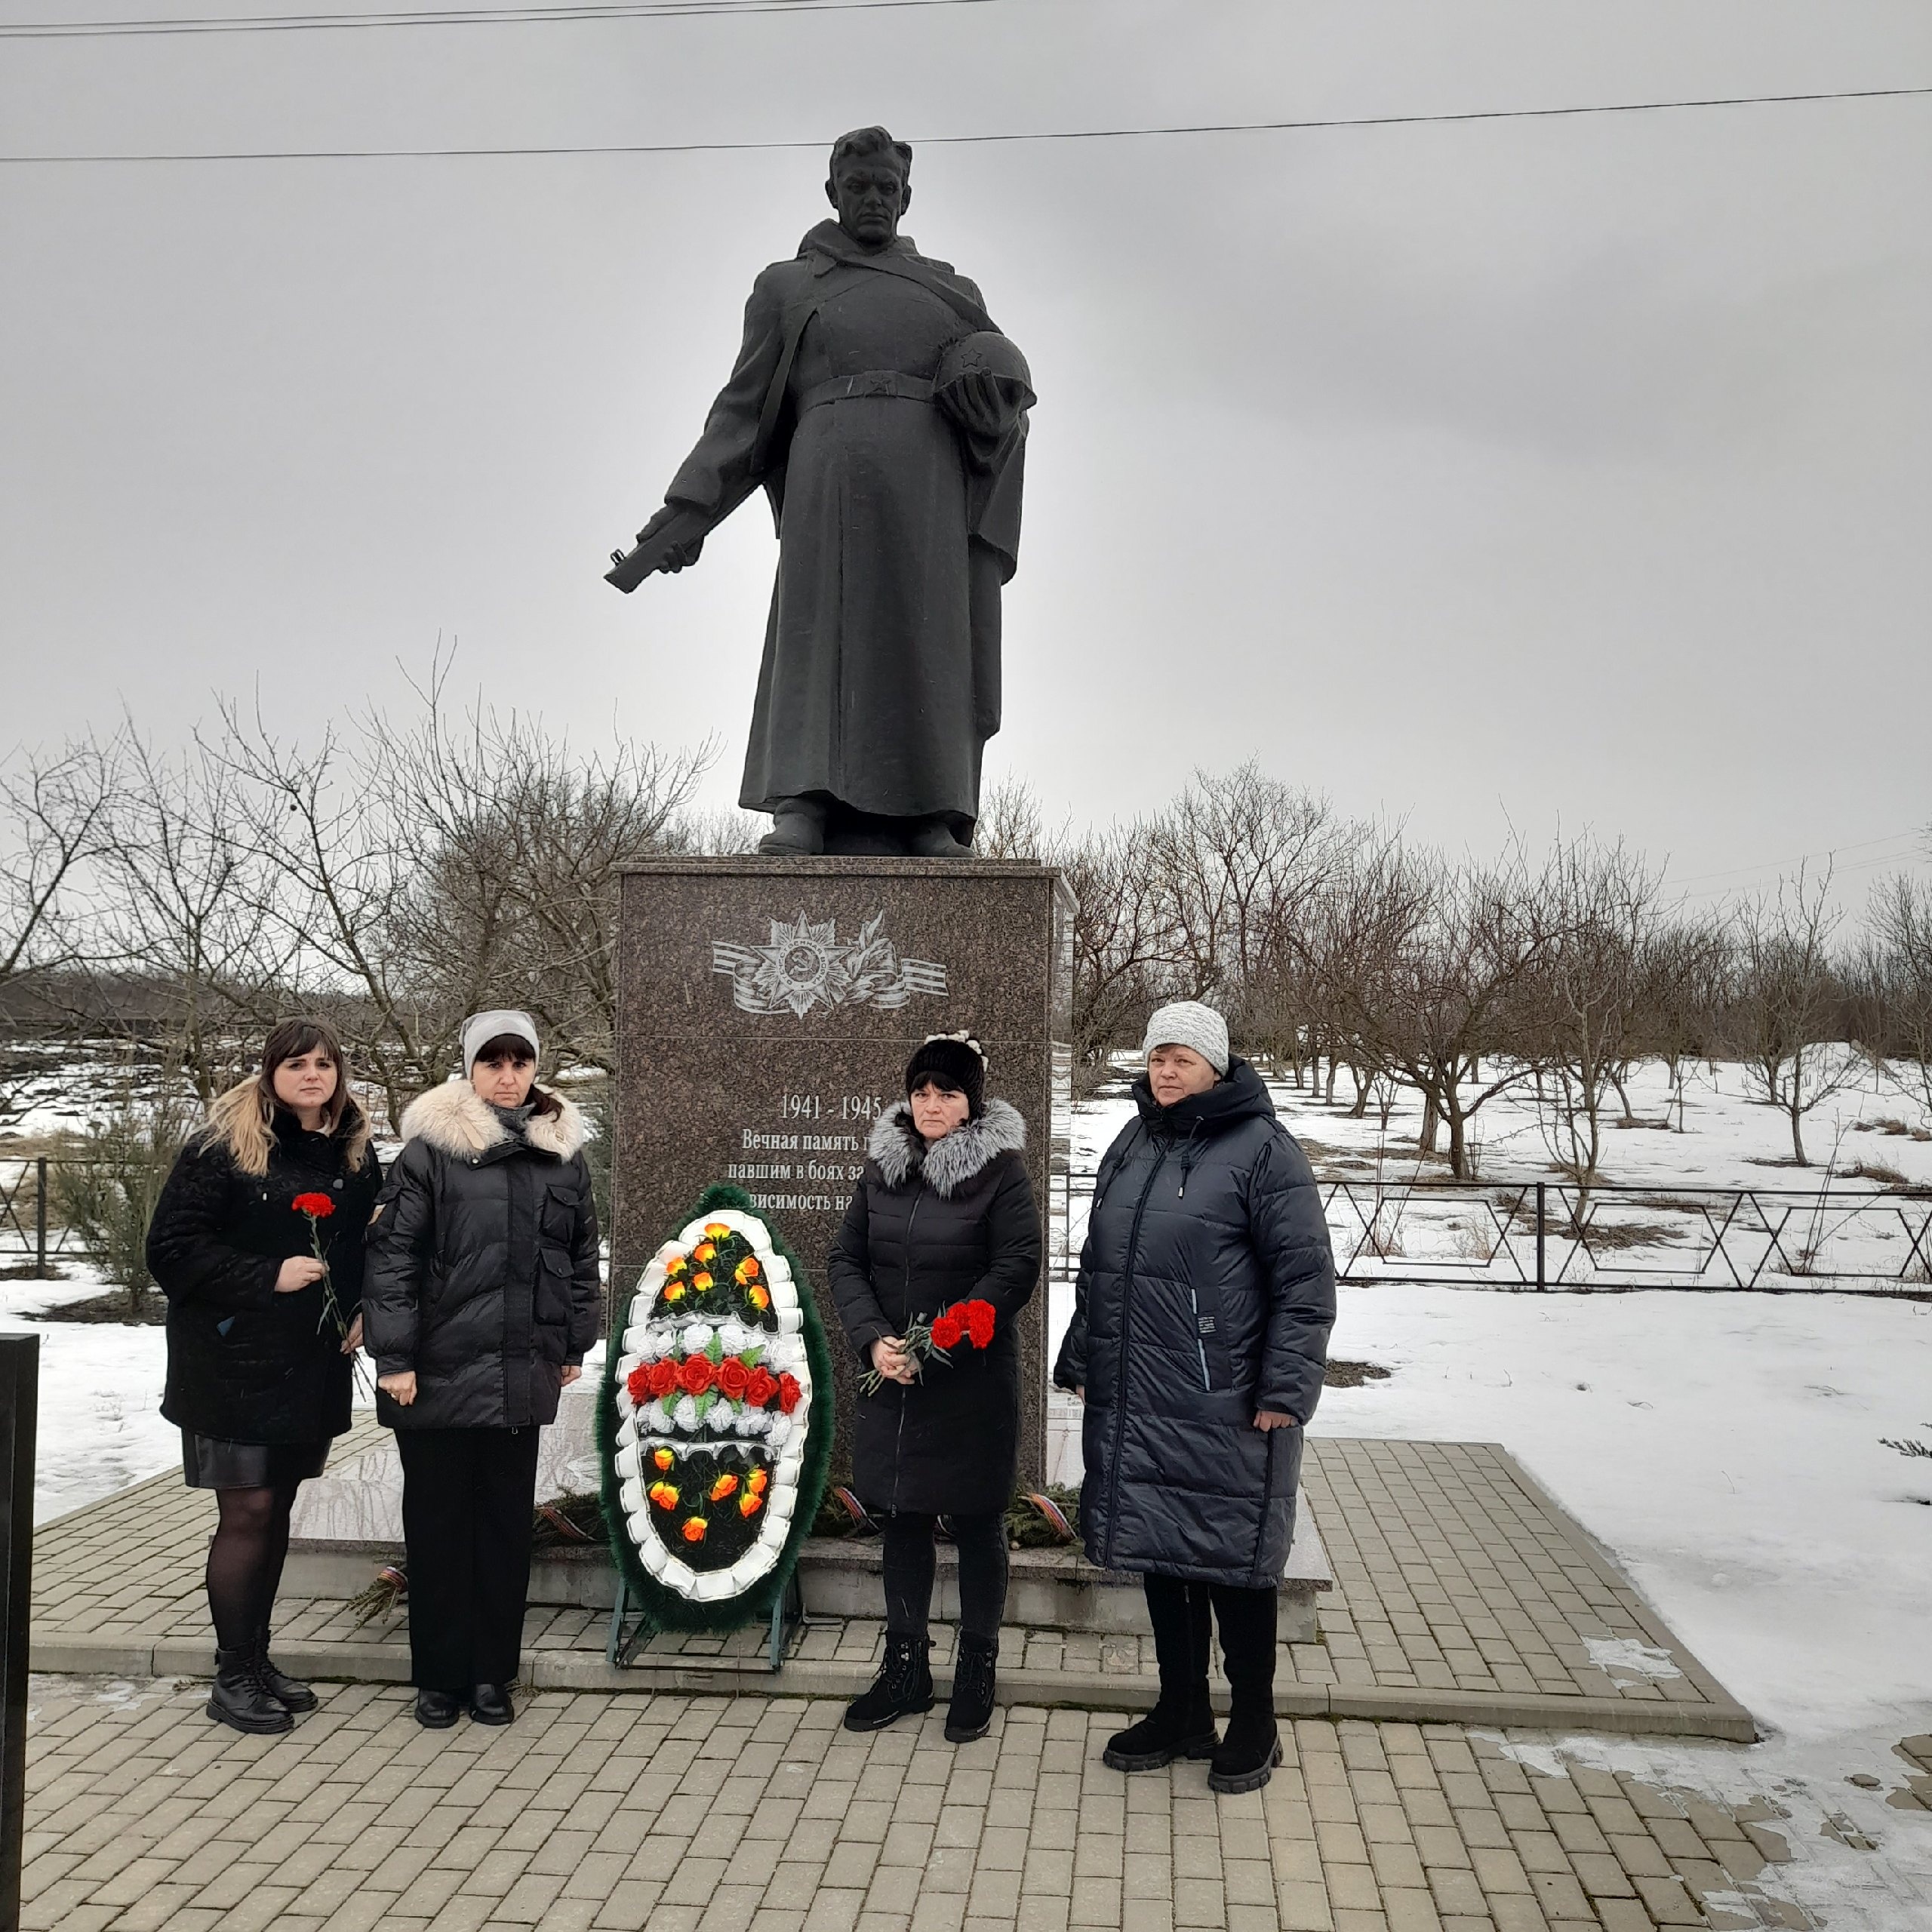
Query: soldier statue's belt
872, 382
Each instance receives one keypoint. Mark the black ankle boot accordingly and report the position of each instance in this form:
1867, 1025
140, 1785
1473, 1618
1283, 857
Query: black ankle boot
970, 1713
798, 829
1180, 1726
237, 1699
1246, 1758
291, 1692
902, 1688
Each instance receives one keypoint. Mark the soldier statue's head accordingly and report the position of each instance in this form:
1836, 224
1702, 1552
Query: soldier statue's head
870, 183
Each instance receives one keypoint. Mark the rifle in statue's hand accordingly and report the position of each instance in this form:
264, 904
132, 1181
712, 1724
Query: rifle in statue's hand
669, 541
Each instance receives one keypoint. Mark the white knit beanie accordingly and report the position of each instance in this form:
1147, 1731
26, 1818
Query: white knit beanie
480, 1029
1188, 1023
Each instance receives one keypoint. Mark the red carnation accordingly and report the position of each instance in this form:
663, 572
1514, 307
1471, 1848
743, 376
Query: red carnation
694, 1374
949, 1330
789, 1392
317, 1206
734, 1378
979, 1322
662, 1377
760, 1387
637, 1383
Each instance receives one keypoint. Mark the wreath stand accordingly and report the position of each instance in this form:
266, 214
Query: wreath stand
788, 1619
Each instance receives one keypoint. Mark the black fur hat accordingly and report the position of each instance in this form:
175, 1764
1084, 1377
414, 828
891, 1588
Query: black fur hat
956, 1060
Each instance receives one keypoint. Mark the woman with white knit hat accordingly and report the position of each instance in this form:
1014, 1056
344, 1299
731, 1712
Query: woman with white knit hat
481, 1299
1205, 1296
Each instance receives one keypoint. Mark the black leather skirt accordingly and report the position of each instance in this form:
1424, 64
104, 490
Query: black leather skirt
210, 1462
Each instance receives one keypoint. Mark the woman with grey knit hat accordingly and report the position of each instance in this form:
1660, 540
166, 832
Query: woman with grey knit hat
1200, 1331
480, 1299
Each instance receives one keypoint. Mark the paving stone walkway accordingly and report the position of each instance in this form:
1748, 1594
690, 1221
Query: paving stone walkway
694, 1814
1463, 1593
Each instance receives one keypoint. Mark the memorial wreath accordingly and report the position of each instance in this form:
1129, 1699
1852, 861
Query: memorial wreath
715, 1423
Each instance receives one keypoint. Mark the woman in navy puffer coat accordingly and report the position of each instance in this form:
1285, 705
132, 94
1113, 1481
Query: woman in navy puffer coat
1206, 1293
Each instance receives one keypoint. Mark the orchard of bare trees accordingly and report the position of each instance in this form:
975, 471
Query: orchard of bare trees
397, 875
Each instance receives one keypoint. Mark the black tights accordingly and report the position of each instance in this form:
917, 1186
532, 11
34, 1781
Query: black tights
909, 1565
244, 1561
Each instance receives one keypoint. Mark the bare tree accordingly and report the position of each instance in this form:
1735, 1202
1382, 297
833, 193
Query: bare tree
1585, 1006
1012, 824
1429, 967
1896, 968
1788, 1001
55, 819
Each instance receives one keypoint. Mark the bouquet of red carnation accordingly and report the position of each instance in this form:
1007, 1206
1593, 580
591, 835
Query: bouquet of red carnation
965, 1321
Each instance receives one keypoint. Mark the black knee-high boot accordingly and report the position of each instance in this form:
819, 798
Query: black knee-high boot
1181, 1724
1251, 1748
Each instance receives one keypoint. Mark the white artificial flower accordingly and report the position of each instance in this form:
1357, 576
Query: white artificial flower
696, 1338
734, 1337
685, 1414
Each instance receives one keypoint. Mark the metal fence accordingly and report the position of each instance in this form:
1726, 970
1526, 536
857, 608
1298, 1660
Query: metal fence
1516, 1235
30, 1228
1556, 1234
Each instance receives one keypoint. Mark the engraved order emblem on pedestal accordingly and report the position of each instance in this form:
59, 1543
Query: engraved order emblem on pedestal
805, 964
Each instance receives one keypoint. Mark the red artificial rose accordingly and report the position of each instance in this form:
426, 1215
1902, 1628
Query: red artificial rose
789, 1392
638, 1384
979, 1322
319, 1206
694, 1374
734, 1378
949, 1330
662, 1377
760, 1387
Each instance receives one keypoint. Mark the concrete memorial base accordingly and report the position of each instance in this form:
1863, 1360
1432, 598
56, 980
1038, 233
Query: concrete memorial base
767, 1008
348, 1524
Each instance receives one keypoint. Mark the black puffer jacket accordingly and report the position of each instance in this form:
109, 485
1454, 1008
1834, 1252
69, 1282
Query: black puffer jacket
927, 1227
245, 1363
482, 1274
1206, 1290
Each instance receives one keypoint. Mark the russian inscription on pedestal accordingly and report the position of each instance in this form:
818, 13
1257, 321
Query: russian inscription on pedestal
766, 1010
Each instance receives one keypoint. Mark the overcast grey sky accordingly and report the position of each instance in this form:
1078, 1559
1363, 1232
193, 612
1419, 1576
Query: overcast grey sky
1505, 473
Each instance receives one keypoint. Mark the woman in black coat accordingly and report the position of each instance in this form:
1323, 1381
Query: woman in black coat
259, 1356
943, 1214
1206, 1293
481, 1299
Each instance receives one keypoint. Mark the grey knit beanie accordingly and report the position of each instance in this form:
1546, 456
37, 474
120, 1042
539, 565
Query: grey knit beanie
480, 1029
1188, 1023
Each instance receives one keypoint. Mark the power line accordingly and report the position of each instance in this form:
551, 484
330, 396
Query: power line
454, 16
965, 140
1805, 858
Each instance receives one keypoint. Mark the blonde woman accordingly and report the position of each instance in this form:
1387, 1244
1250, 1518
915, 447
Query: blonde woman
260, 1332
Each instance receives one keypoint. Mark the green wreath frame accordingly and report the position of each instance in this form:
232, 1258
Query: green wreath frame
665, 1609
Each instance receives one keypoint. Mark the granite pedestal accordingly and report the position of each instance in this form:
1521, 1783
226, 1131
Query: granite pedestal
767, 1008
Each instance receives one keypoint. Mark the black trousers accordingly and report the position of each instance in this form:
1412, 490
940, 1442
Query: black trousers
910, 1566
1179, 1607
468, 1495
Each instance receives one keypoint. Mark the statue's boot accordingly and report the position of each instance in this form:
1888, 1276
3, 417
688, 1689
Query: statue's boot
798, 830
932, 838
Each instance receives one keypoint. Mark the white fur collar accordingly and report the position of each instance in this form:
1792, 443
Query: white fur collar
951, 1163
455, 1119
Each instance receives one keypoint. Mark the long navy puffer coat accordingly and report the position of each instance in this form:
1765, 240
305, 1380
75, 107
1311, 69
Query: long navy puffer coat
1206, 1293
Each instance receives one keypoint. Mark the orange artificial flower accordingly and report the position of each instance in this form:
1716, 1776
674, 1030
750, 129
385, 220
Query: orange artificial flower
757, 1480
663, 1458
716, 1230
723, 1486
694, 1529
663, 1494
748, 1269
750, 1504
704, 1250
757, 1297
700, 1282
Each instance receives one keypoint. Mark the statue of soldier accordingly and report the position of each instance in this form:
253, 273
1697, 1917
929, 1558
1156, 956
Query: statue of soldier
886, 417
